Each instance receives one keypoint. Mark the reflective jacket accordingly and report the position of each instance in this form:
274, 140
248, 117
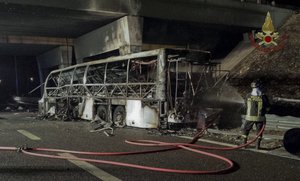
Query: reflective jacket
257, 107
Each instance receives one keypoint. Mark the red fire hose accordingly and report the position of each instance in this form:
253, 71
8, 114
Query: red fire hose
171, 146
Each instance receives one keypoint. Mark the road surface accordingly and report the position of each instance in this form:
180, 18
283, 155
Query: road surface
17, 129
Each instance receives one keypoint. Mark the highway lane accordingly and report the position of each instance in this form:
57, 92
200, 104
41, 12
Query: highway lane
76, 136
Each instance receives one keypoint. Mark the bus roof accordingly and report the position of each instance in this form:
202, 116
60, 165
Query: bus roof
142, 54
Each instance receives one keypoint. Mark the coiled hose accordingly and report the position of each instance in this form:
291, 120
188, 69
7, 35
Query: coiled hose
170, 146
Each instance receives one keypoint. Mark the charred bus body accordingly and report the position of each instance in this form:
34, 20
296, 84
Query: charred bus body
147, 89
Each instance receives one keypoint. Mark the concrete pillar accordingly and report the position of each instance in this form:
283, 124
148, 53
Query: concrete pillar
66, 56
41, 76
132, 35
124, 34
59, 57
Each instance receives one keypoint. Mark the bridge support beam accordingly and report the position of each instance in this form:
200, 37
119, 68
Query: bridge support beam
59, 57
124, 35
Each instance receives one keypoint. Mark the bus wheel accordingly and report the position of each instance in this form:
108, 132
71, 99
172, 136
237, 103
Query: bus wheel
119, 116
102, 113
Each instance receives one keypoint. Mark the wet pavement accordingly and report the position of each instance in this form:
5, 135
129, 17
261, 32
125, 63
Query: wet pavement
271, 143
17, 129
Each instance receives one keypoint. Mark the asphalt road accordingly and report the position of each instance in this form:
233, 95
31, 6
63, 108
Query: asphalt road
17, 129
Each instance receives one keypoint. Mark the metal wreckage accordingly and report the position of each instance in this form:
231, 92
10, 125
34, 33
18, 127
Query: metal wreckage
152, 89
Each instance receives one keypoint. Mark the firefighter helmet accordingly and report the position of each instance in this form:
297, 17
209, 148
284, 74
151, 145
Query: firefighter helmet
256, 84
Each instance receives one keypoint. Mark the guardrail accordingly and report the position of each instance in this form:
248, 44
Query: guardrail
275, 122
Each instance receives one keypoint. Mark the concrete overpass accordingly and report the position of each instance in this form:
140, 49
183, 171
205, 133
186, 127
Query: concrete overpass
58, 31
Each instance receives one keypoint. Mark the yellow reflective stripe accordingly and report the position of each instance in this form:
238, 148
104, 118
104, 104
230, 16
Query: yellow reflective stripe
249, 106
251, 118
250, 101
254, 118
259, 106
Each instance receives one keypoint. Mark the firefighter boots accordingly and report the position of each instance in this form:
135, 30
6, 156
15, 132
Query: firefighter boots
245, 140
258, 143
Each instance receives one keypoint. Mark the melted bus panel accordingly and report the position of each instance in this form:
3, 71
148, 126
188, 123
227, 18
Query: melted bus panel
146, 89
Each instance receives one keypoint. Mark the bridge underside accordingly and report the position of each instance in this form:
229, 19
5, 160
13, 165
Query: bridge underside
62, 19
59, 33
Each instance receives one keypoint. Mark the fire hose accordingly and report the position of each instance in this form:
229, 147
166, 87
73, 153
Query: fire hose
171, 146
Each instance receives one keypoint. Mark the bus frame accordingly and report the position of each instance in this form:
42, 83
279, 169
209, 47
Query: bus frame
148, 89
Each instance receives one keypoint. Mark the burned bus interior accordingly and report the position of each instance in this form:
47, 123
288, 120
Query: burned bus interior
152, 89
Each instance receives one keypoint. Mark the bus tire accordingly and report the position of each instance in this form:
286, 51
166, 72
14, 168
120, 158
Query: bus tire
119, 116
102, 113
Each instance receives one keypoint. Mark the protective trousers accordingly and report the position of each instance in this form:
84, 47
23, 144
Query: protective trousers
246, 128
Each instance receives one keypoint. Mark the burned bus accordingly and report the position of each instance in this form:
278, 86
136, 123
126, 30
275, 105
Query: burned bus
147, 89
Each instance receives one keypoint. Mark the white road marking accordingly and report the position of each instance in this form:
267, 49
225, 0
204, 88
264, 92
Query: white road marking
29, 135
101, 174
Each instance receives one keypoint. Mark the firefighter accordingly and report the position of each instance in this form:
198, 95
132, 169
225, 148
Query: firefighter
257, 105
